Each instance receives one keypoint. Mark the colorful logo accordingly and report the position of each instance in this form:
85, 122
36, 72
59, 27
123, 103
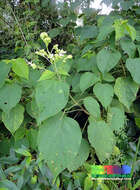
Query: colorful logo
114, 172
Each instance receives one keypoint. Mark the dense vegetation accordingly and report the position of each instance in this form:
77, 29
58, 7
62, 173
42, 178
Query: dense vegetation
69, 93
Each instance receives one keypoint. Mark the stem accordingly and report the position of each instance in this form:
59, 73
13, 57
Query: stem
84, 126
1, 17
123, 69
19, 26
79, 105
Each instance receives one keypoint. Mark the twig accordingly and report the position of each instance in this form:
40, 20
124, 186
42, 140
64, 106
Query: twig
84, 126
19, 26
78, 105
5, 21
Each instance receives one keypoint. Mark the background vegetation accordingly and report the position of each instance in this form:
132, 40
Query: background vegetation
69, 93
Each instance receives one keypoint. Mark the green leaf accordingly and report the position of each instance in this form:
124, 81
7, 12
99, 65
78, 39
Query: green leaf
137, 121
131, 31
47, 75
92, 106
88, 79
51, 97
81, 157
133, 66
10, 95
106, 28
32, 136
59, 141
125, 5
65, 21
136, 185
128, 47
122, 28
87, 64
104, 186
20, 67
54, 32
13, 119
115, 118
101, 138
4, 70
104, 93
108, 77
75, 82
23, 151
87, 32
119, 29
6, 184
88, 183
44, 3
34, 75
126, 90
107, 60
32, 108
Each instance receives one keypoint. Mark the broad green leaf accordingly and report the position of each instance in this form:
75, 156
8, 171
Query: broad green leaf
81, 157
128, 47
4, 70
47, 75
34, 75
65, 21
115, 118
59, 141
101, 138
51, 97
10, 95
54, 32
119, 29
6, 184
88, 183
83, 64
88, 79
44, 3
126, 90
32, 136
32, 108
75, 82
104, 93
106, 27
108, 77
20, 67
116, 103
20, 133
131, 31
14, 118
122, 28
23, 151
92, 106
104, 32
137, 121
125, 5
133, 66
87, 32
107, 60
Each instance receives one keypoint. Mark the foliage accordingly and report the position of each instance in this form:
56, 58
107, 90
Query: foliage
69, 98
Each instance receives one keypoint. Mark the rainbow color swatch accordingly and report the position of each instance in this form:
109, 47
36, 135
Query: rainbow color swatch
110, 171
